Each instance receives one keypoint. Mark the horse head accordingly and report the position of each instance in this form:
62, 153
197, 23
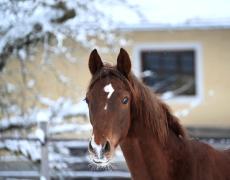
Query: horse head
109, 101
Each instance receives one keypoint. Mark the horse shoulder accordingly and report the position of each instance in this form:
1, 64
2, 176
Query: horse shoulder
209, 162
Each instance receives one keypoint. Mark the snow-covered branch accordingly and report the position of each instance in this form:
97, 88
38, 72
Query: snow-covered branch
48, 24
55, 112
27, 22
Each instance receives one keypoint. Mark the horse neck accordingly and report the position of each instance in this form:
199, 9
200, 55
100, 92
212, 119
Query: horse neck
145, 154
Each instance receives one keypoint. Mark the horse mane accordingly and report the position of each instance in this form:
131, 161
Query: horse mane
145, 104
154, 112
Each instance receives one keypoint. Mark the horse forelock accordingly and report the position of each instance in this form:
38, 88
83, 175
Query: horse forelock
106, 72
146, 107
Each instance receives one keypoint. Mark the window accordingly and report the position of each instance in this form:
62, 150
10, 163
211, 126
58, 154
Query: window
171, 70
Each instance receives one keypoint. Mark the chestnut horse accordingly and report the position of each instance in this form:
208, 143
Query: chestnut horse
123, 111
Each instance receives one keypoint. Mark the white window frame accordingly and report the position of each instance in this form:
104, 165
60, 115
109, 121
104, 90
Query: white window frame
138, 48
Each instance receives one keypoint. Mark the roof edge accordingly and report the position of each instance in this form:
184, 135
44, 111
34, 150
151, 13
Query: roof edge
193, 25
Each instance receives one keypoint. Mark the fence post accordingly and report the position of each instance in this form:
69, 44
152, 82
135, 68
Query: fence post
44, 153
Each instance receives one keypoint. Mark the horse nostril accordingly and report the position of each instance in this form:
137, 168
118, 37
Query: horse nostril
90, 147
106, 147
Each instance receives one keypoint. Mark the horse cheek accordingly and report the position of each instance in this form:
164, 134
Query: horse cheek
124, 123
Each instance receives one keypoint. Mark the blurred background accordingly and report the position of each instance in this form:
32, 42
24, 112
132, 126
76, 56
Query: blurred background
181, 49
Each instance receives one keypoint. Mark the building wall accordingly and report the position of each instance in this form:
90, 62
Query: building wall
213, 110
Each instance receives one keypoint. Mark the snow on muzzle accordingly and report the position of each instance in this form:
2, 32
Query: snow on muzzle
98, 151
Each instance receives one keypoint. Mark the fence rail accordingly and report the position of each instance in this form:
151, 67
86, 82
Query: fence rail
46, 172
66, 174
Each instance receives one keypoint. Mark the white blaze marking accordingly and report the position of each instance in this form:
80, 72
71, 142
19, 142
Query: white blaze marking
99, 157
109, 89
105, 108
96, 147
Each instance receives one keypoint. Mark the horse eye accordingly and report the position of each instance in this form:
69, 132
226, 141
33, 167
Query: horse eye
86, 100
125, 100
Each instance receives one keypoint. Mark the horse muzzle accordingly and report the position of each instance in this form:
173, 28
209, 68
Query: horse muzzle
99, 153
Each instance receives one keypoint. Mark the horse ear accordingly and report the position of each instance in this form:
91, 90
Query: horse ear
95, 62
123, 62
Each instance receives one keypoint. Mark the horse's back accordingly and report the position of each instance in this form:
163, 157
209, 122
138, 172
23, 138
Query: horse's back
223, 164
227, 151
210, 164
